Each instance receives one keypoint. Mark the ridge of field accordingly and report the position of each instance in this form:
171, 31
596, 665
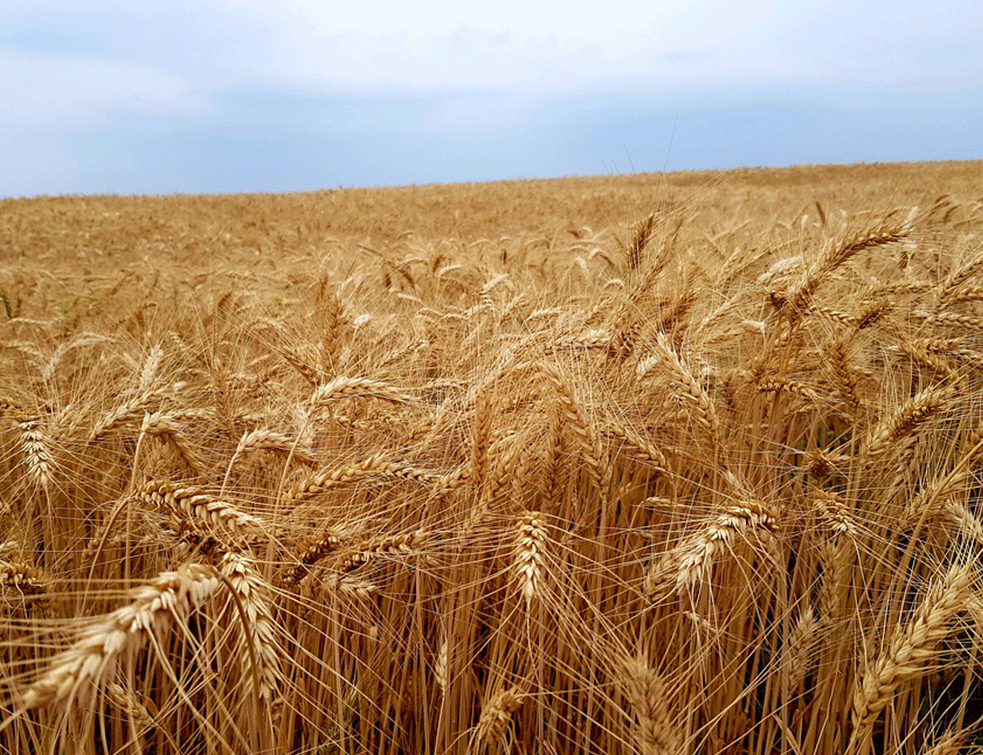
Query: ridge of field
182, 228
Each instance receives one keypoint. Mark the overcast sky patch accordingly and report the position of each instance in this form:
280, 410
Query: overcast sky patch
237, 95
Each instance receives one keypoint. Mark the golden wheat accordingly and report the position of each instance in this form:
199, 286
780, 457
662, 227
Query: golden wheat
678, 464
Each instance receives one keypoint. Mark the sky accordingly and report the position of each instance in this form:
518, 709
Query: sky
137, 97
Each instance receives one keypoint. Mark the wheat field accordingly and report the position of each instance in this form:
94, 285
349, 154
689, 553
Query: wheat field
655, 464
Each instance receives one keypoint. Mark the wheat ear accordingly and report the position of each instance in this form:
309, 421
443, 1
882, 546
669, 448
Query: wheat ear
440, 665
128, 413
799, 651
260, 631
739, 520
691, 391
960, 276
836, 255
845, 380
94, 654
23, 579
258, 440
528, 561
949, 743
199, 505
639, 240
327, 542
909, 653
137, 708
656, 733
375, 465
638, 448
389, 544
166, 428
496, 717
353, 387
578, 420
915, 412
40, 462
834, 514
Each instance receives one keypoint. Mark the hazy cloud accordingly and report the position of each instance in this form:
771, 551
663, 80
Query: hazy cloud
68, 92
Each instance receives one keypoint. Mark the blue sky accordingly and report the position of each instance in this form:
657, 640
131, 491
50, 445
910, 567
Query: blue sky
104, 96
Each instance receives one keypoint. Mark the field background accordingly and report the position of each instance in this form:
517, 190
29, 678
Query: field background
282, 228
660, 463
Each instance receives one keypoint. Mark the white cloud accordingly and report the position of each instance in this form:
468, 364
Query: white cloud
525, 47
61, 92
555, 48
475, 113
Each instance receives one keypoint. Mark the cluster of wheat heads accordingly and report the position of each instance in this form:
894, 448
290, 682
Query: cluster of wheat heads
654, 498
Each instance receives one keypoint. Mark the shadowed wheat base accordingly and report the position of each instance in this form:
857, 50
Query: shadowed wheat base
697, 478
